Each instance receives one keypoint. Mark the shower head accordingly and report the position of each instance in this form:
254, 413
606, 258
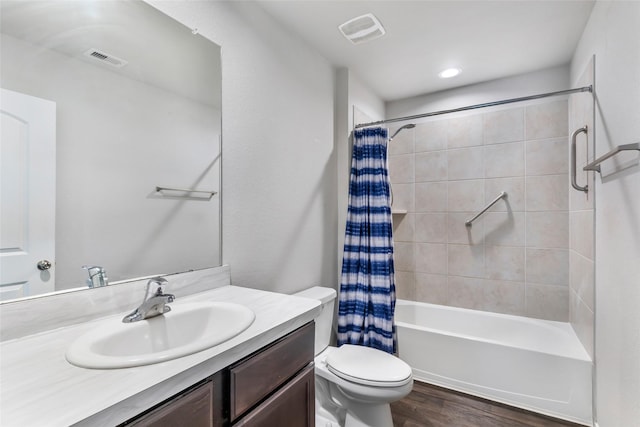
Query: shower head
407, 126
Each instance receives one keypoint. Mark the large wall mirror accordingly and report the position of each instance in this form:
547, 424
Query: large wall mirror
111, 145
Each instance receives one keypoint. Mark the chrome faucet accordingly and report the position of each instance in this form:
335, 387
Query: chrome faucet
97, 276
154, 303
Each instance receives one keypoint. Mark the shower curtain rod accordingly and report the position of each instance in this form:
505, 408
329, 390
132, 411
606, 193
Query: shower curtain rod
473, 107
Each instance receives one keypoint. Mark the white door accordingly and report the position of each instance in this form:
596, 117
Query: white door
27, 194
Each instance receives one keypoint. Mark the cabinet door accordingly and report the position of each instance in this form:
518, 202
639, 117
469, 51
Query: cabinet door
254, 378
193, 409
292, 406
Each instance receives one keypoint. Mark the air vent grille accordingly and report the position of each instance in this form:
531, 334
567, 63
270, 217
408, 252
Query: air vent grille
106, 58
361, 29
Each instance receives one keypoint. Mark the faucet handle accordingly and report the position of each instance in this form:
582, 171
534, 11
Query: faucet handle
154, 287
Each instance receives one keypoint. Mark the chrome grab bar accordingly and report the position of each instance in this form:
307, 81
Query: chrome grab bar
574, 184
502, 195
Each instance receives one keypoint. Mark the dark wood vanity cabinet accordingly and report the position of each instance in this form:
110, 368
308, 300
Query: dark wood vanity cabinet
291, 406
194, 408
272, 387
277, 382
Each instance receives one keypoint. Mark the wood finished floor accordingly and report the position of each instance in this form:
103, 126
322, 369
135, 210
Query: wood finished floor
431, 406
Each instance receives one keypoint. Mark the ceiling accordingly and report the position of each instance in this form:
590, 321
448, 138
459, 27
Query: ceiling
486, 39
159, 50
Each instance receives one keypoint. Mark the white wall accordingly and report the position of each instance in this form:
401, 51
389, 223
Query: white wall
118, 138
279, 166
364, 100
613, 35
548, 80
354, 103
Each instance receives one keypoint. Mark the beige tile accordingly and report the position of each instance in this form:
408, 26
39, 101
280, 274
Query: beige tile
431, 288
514, 188
580, 115
547, 229
431, 166
459, 233
431, 197
582, 321
579, 200
431, 258
504, 126
465, 163
465, 260
405, 285
465, 131
466, 292
504, 160
582, 233
401, 169
582, 278
403, 142
504, 263
504, 297
403, 227
504, 228
547, 193
466, 196
403, 256
548, 266
431, 136
403, 197
547, 120
431, 228
581, 105
547, 156
547, 302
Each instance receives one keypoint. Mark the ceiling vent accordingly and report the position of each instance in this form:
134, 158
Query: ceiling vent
106, 58
362, 29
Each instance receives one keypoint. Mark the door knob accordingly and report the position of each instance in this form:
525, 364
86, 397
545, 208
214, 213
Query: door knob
44, 265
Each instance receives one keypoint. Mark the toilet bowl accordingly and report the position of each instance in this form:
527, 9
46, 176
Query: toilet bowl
354, 384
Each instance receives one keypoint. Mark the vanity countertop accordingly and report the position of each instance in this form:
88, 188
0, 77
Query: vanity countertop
38, 387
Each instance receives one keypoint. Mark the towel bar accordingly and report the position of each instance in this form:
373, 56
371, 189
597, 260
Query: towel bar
187, 190
595, 165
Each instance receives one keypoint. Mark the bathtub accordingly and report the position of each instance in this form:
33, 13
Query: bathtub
533, 364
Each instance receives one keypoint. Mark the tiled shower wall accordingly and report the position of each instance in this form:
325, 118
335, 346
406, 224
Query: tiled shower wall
515, 258
581, 218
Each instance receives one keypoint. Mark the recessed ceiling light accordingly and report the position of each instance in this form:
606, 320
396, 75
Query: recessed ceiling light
449, 72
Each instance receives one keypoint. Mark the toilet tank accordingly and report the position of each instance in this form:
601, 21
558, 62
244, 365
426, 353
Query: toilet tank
324, 321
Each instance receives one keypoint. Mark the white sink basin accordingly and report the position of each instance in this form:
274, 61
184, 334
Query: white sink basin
186, 329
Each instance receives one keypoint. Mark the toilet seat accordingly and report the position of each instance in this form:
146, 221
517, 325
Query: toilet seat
368, 366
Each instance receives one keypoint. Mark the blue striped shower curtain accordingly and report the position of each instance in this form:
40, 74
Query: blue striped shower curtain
367, 286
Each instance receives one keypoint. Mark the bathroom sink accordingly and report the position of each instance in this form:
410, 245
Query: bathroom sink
186, 329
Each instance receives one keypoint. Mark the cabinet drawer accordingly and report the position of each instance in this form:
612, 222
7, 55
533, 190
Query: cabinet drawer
291, 406
193, 409
257, 376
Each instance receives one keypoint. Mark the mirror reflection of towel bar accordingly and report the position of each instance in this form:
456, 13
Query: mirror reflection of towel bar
187, 190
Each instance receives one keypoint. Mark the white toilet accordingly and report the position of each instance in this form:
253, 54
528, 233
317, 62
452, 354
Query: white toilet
354, 384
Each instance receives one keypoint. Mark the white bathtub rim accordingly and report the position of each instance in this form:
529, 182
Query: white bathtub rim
578, 350
581, 357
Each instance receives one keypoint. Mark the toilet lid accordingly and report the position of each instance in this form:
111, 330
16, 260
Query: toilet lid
365, 365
